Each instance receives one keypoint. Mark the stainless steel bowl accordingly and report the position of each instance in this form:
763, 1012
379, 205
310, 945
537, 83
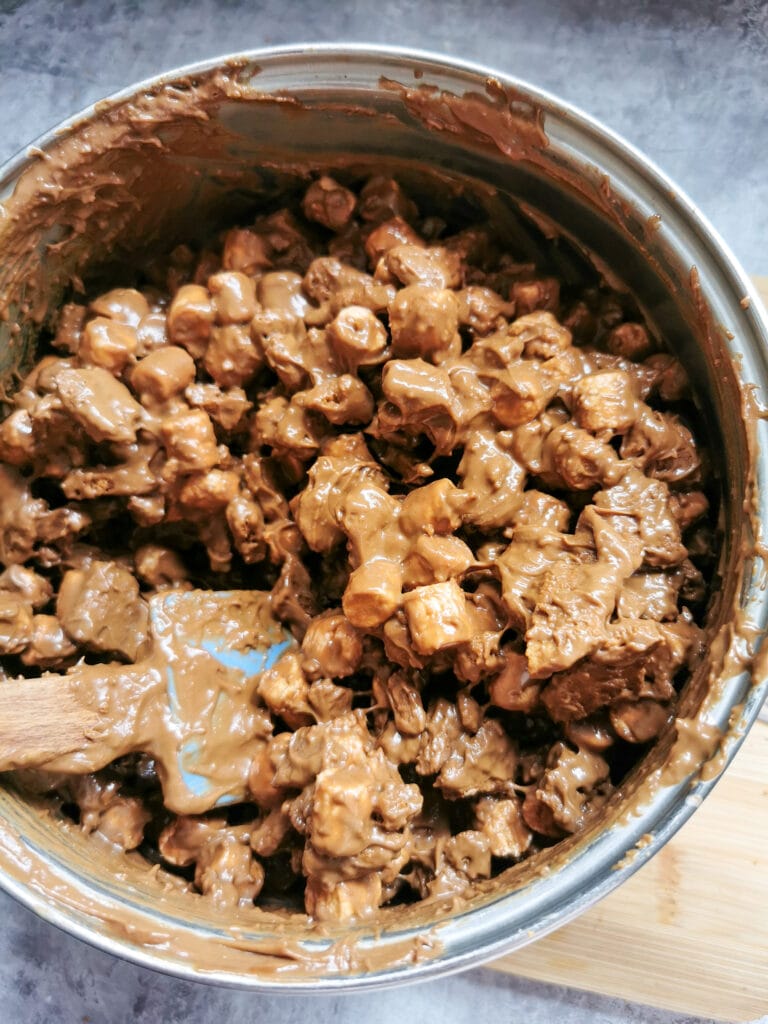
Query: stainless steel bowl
312, 103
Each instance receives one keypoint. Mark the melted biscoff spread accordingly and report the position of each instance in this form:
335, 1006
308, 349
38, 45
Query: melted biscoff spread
470, 488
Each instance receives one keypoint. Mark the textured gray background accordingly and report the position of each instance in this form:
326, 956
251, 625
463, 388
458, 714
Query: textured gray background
686, 81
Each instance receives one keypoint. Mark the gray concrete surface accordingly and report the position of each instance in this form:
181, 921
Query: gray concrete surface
687, 82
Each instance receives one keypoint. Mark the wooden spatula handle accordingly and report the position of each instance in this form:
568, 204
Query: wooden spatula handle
41, 719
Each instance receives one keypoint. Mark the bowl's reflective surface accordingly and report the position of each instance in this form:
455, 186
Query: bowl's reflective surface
596, 190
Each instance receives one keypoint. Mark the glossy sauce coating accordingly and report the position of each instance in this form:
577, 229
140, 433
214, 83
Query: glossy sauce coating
472, 496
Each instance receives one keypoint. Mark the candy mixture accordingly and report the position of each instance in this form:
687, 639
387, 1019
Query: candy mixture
473, 494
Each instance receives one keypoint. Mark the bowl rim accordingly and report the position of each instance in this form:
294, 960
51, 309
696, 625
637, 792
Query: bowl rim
736, 280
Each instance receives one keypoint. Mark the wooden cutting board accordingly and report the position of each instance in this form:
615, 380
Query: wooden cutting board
689, 931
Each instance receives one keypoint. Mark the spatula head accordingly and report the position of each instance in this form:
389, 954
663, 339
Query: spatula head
212, 647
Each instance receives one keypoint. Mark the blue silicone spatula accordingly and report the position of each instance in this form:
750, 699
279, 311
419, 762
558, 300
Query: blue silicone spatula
189, 704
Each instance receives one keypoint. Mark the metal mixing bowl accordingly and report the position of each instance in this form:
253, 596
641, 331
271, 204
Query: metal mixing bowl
598, 191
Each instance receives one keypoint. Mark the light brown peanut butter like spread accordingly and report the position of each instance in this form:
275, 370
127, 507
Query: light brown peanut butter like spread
473, 526
474, 492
